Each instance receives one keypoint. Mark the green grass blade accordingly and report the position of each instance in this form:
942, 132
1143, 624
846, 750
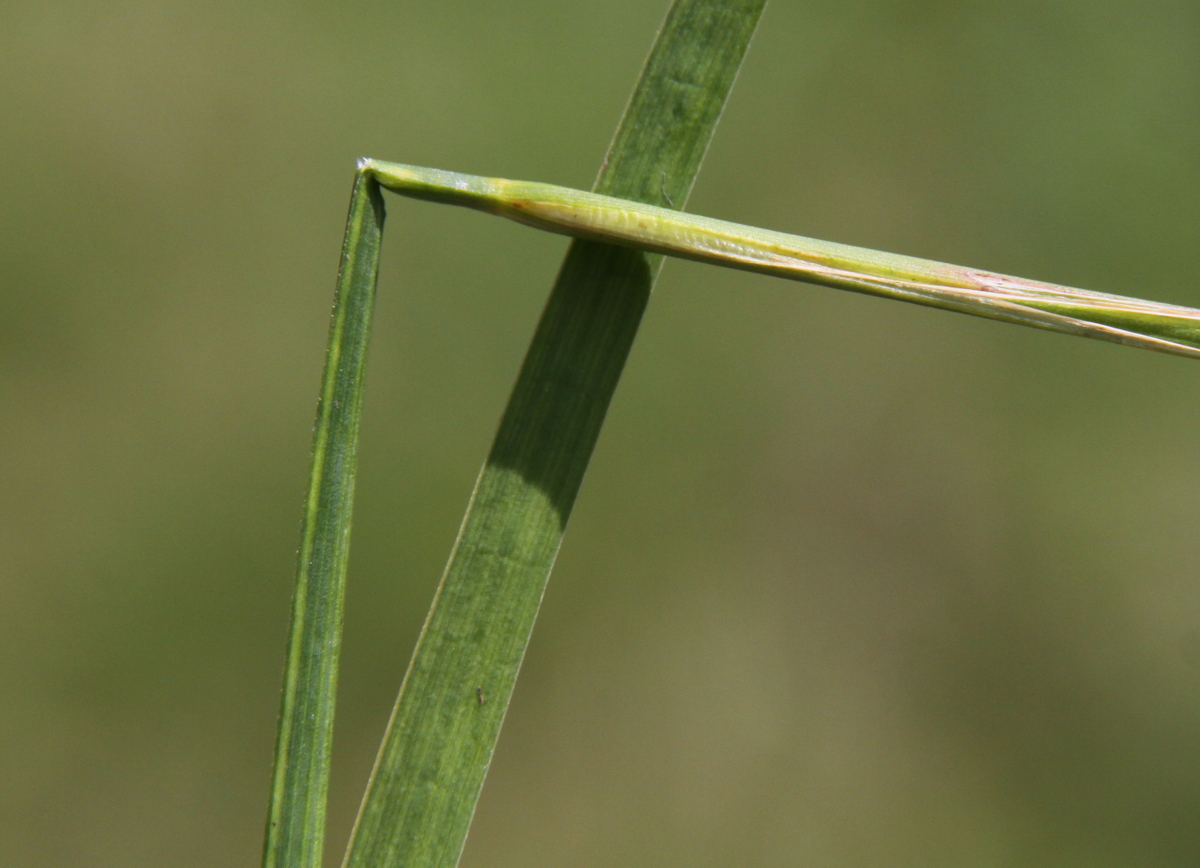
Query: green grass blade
296, 816
1137, 322
444, 728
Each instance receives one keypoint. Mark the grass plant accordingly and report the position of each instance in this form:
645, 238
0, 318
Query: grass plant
439, 742
440, 739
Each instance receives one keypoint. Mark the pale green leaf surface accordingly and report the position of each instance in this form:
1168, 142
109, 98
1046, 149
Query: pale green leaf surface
1151, 325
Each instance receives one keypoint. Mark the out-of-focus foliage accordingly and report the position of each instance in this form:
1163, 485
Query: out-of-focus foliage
922, 594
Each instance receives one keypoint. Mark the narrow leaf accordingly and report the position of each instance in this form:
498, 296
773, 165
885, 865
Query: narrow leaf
300, 783
452, 703
1135, 322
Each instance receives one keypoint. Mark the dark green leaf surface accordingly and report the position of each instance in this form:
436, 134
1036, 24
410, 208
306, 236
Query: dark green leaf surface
296, 816
444, 728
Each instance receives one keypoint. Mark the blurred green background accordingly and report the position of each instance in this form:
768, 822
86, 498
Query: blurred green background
849, 583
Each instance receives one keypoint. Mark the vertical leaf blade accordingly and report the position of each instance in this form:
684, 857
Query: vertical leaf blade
444, 727
300, 781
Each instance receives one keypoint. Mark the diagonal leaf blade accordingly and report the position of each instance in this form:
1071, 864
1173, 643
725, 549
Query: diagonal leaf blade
444, 727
